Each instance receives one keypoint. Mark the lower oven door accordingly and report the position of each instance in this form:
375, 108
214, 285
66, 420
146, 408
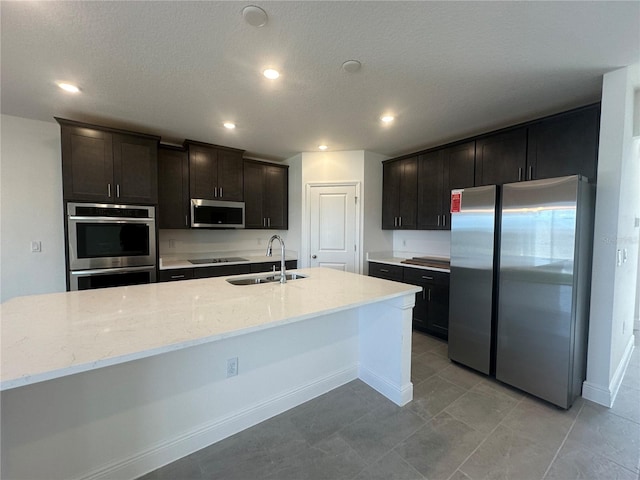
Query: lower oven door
111, 277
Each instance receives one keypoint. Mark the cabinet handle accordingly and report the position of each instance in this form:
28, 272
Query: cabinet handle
186, 220
427, 278
220, 192
429, 295
177, 276
530, 172
384, 270
400, 221
269, 222
520, 174
215, 192
109, 190
118, 190
438, 220
423, 294
444, 220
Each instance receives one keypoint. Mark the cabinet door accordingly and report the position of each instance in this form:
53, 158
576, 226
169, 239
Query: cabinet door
253, 195
459, 172
391, 175
276, 196
430, 195
501, 158
87, 164
173, 188
229, 176
438, 309
565, 145
408, 201
135, 169
203, 172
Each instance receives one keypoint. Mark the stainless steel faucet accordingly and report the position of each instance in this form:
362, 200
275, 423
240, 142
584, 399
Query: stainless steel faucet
283, 274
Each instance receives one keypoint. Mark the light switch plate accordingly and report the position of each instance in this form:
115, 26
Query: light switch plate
36, 247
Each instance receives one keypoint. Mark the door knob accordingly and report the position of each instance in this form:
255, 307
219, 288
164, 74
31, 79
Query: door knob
314, 256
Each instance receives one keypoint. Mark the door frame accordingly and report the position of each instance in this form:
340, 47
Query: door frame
305, 244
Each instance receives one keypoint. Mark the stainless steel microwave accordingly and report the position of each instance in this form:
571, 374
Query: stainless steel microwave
216, 214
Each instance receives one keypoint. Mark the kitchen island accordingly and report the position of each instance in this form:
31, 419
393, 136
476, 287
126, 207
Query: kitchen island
112, 383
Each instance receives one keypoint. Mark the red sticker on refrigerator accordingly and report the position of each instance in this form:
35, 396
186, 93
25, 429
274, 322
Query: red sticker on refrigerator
456, 201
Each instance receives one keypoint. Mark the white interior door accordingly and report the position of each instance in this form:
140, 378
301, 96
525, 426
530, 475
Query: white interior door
333, 230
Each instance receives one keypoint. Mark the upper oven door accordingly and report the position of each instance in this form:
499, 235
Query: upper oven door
108, 242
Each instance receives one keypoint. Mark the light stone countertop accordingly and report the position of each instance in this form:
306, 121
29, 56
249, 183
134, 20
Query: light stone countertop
391, 258
54, 335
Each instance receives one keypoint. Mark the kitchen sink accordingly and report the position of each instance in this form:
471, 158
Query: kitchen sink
262, 279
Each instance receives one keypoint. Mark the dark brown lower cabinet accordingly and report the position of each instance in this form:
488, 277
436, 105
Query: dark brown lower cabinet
271, 266
222, 270
431, 311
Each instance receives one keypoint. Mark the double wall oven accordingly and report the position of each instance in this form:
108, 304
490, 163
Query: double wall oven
110, 245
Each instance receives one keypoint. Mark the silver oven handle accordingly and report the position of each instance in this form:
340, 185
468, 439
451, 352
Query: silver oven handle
98, 271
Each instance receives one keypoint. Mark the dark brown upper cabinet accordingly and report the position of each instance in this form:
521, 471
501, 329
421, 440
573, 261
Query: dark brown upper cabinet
266, 196
431, 190
215, 172
501, 157
565, 144
173, 187
108, 165
439, 172
399, 194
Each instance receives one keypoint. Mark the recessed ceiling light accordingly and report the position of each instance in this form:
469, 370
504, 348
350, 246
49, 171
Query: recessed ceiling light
67, 87
351, 66
229, 125
271, 73
387, 118
254, 16
323, 147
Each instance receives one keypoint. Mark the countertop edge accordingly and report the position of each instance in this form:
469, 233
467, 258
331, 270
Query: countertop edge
399, 263
26, 380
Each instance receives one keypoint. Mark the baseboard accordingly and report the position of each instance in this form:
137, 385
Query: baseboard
616, 381
606, 395
400, 396
203, 436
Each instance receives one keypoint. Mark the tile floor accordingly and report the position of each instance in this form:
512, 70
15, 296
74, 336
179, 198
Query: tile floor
459, 426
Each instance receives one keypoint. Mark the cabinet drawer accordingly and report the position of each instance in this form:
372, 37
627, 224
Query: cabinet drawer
221, 271
176, 274
388, 272
419, 276
269, 266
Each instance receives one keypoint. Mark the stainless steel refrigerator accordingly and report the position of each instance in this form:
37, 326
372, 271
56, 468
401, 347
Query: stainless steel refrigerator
520, 283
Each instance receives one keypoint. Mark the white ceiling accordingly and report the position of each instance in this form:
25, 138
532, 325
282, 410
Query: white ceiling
179, 69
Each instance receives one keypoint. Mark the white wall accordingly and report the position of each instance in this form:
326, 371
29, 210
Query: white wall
430, 243
346, 166
176, 242
614, 287
30, 208
375, 239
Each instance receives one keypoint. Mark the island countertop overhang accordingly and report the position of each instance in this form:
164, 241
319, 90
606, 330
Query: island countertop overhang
51, 336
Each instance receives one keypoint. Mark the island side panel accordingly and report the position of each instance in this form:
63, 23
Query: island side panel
125, 420
385, 330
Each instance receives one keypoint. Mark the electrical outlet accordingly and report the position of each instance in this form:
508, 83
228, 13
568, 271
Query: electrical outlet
172, 244
232, 367
36, 247
404, 243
